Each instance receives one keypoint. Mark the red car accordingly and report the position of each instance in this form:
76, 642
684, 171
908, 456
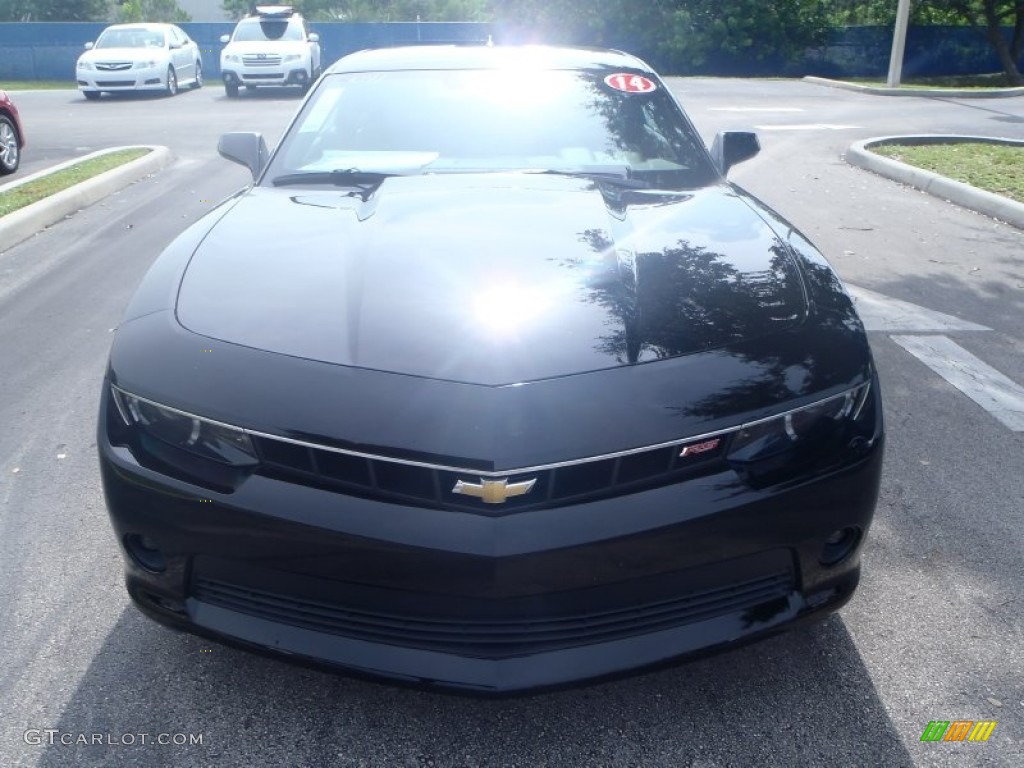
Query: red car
12, 135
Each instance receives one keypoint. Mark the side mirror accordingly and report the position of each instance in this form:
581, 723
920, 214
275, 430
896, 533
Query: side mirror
225, 38
248, 149
88, 46
314, 37
175, 46
732, 147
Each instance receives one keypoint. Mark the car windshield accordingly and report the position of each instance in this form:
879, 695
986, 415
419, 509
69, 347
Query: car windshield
131, 38
267, 29
605, 124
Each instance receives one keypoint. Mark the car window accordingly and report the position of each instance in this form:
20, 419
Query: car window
485, 120
131, 38
268, 29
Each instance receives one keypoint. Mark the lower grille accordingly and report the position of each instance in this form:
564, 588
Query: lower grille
115, 83
506, 636
261, 61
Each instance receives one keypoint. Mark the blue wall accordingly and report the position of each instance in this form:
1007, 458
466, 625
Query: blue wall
47, 51
864, 52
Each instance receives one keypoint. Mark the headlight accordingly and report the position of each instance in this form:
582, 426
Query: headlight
145, 64
183, 445
84, 65
817, 434
209, 439
230, 58
291, 57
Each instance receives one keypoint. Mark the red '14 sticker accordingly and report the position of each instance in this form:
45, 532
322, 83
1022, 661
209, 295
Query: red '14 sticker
630, 83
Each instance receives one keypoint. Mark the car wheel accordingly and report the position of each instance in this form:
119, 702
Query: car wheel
172, 82
199, 76
231, 90
10, 155
91, 95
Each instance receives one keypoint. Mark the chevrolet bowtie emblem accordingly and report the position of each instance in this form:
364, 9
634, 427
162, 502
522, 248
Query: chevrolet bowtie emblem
494, 491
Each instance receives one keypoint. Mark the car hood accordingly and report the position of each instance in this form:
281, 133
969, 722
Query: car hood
490, 279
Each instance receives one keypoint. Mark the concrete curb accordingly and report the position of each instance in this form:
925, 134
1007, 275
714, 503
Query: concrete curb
957, 93
25, 222
997, 206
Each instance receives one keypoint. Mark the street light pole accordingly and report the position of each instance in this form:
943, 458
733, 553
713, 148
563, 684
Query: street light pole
899, 41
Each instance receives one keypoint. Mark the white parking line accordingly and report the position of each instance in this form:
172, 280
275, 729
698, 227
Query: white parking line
997, 394
884, 313
806, 127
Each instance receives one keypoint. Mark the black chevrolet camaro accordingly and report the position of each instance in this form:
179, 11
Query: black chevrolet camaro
490, 381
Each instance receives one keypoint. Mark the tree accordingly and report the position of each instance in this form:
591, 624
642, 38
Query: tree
750, 29
377, 10
53, 10
682, 33
594, 22
845, 13
405, 10
990, 17
167, 11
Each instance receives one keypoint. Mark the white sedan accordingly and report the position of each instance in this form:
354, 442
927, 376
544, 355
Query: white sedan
139, 57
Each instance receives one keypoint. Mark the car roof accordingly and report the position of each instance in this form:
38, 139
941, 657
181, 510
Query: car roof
485, 57
273, 12
276, 16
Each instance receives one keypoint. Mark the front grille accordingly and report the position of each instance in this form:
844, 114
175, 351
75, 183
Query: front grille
113, 66
263, 76
432, 484
261, 60
501, 637
115, 83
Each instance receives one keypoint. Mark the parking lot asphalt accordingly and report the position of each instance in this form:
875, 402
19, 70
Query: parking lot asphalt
28, 221
934, 633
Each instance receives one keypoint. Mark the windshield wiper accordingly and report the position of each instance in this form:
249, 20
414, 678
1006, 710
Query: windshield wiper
619, 177
342, 177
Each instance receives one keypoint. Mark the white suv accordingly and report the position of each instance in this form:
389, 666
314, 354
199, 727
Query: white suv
272, 47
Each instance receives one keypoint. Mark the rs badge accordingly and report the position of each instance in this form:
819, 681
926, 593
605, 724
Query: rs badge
694, 448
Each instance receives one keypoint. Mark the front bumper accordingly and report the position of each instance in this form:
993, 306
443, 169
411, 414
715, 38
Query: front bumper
236, 75
490, 604
152, 79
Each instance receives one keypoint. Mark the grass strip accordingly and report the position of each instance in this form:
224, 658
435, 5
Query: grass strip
37, 85
996, 80
996, 168
52, 183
